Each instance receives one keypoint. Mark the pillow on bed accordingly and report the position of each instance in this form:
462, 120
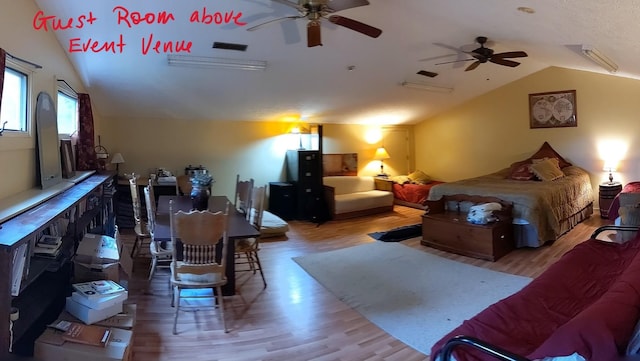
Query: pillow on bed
400, 179
522, 172
419, 177
547, 152
547, 170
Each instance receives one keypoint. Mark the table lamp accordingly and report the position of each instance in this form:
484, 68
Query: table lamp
381, 155
609, 167
117, 159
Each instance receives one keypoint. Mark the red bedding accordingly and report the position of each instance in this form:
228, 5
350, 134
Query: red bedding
587, 302
413, 193
633, 187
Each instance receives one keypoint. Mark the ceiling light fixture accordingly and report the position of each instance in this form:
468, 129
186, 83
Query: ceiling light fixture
213, 62
428, 87
597, 57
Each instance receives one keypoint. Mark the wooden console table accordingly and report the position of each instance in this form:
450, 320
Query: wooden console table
445, 226
85, 205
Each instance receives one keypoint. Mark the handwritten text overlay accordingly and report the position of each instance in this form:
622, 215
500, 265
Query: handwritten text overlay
130, 19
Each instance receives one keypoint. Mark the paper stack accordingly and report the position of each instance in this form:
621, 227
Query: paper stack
95, 301
48, 246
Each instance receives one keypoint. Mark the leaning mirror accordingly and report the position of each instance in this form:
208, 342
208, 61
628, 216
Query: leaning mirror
47, 143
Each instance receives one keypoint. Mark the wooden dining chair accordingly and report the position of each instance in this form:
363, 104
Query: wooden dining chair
161, 252
246, 249
242, 198
199, 263
140, 227
183, 185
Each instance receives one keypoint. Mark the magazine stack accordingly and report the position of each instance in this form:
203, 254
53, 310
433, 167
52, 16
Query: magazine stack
95, 301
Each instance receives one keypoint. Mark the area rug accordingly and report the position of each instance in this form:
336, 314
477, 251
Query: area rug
398, 234
414, 296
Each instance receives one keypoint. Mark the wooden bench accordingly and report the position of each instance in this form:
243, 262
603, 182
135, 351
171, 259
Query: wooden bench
445, 227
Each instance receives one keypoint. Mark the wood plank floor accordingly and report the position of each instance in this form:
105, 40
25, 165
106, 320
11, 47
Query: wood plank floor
295, 318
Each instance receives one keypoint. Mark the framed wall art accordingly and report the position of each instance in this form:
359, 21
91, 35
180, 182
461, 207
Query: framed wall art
340, 164
553, 109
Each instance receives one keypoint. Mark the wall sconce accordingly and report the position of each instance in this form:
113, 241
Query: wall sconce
381, 155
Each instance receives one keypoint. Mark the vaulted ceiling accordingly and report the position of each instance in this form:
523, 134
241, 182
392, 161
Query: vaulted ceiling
352, 78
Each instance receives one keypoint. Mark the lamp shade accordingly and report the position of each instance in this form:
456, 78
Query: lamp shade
117, 158
381, 154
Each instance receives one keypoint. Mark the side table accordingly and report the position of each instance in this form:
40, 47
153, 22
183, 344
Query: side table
608, 191
383, 184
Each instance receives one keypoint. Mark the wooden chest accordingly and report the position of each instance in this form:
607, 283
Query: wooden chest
450, 231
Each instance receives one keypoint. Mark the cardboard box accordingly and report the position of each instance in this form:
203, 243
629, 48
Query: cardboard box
102, 257
126, 319
100, 303
51, 347
89, 315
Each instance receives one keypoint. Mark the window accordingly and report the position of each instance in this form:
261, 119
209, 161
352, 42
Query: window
15, 97
67, 111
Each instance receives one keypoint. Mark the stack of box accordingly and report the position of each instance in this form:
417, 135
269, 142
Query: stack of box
95, 301
101, 257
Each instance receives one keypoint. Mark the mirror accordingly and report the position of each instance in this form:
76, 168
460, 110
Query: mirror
47, 143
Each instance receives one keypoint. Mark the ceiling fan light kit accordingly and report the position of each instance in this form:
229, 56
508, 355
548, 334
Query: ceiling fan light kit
427, 87
191, 61
599, 58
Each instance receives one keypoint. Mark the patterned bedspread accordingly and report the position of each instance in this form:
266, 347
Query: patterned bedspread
549, 206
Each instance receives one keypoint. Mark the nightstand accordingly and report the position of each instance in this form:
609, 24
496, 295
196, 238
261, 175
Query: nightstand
608, 191
383, 184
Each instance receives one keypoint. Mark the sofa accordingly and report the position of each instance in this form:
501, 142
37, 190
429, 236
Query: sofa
353, 196
587, 304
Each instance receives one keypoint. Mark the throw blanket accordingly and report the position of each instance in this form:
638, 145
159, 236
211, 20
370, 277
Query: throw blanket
549, 206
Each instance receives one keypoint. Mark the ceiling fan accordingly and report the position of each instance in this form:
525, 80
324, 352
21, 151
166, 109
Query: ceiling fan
315, 10
483, 54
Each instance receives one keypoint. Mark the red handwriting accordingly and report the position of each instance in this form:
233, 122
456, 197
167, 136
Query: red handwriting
76, 45
217, 17
158, 46
43, 22
136, 18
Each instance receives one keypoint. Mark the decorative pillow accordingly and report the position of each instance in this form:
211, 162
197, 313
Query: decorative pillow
419, 177
400, 179
547, 152
547, 170
522, 172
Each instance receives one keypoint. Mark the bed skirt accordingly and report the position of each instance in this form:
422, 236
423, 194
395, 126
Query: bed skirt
526, 235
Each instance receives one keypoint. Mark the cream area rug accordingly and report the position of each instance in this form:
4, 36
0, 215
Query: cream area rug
414, 296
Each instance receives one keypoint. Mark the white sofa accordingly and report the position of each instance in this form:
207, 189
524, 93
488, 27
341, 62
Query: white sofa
353, 196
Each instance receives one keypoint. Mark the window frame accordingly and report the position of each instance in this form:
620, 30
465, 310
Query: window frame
70, 93
18, 67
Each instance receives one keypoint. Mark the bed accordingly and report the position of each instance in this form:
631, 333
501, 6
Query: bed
412, 190
543, 210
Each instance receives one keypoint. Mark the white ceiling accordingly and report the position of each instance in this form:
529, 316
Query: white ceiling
315, 83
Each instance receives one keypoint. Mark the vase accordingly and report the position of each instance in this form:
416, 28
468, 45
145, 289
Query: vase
200, 197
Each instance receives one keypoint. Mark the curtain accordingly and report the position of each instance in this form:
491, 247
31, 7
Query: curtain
3, 60
85, 146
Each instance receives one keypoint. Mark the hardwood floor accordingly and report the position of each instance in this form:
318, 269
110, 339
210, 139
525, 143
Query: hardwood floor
295, 318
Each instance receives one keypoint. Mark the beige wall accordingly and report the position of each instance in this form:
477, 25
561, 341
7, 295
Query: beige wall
492, 131
17, 37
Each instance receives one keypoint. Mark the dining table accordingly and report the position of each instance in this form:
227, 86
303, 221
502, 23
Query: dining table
238, 227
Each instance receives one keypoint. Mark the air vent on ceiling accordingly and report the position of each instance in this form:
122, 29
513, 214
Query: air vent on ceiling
229, 46
427, 73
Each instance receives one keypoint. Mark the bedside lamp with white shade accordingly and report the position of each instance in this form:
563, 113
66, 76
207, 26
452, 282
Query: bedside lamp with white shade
381, 155
117, 159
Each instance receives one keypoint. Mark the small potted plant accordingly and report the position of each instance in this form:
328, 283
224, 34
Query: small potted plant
201, 190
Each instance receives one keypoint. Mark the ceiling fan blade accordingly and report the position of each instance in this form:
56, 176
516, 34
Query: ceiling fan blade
338, 5
511, 54
274, 21
504, 62
355, 26
473, 66
455, 61
313, 34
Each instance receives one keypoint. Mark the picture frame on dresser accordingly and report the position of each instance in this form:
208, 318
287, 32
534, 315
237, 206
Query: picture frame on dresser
554, 109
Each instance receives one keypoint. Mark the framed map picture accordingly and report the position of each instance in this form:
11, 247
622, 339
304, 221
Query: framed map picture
553, 109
